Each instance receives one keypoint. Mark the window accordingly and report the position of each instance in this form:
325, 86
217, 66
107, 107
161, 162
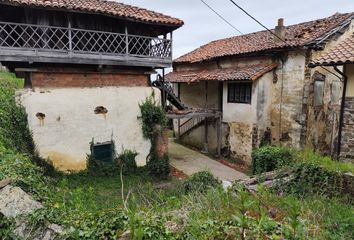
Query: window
319, 85
102, 151
319, 92
239, 93
336, 89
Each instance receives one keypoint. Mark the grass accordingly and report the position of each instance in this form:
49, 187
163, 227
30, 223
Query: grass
326, 162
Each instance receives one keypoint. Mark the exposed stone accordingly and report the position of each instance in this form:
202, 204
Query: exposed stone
14, 201
347, 148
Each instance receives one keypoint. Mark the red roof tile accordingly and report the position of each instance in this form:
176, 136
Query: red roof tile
249, 73
114, 9
295, 36
340, 54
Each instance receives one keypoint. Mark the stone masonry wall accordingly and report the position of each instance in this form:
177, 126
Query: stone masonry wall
347, 150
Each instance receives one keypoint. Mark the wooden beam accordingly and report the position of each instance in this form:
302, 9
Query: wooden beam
45, 57
219, 135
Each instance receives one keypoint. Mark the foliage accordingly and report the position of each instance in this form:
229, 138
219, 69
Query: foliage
269, 158
126, 160
309, 179
15, 136
6, 228
152, 114
158, 167
100, 168
154, 122
309, 156
200, 182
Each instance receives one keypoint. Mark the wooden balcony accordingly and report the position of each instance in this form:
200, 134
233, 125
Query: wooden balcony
49, 44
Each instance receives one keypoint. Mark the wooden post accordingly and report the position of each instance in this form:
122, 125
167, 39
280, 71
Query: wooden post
206, 94
219, 131
163, 93
206, 129
126, 40
179, 129
171, 52
70, 36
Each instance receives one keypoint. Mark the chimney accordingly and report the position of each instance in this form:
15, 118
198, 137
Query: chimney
280, 30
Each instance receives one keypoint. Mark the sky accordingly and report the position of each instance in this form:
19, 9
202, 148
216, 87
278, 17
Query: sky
202, 25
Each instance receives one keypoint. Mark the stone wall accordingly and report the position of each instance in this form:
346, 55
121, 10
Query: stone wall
347, 149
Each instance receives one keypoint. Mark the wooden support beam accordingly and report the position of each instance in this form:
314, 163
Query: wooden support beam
219, 135
206, 135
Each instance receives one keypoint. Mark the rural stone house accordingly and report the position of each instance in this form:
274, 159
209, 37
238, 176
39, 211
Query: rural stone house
87, 66
262, 84
342, 54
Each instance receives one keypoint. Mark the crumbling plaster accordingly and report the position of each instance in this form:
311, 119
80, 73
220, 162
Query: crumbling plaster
70, 121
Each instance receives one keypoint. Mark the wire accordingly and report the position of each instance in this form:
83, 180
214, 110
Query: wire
270, 31
220, 16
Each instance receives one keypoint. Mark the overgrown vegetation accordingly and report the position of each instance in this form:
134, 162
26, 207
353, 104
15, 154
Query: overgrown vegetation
154, 122
269, 158
92, 207
200, 182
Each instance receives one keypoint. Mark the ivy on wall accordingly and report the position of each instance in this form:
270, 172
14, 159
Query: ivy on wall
154, 123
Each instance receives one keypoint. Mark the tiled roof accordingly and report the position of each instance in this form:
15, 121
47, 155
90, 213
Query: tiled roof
340, 54
249, 73
111, 8
295, 36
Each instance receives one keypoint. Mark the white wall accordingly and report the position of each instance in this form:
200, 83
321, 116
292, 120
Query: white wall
70, 122
259, 107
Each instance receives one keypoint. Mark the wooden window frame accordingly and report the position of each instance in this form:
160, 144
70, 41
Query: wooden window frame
239, 92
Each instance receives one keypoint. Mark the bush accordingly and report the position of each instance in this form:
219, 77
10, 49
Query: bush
159, 167
152, 116
127, 161
269, 158
311, 179
99, 168
6, 228
200, 182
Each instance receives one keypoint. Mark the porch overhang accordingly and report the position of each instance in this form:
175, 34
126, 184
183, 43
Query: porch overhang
248, 73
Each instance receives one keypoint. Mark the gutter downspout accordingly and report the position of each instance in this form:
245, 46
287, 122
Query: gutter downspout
342, 108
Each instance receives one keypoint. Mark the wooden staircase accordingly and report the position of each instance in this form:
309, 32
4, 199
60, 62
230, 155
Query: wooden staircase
189, 125
170, 95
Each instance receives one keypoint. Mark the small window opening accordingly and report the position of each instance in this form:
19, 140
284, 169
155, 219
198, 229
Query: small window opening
319, 84
102, 151
239, 92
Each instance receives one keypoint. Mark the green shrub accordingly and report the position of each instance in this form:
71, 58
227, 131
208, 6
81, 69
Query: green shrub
311, 179
127, 161
159, 167
152, 116
6, 228
269, 158
200, 182
99, 168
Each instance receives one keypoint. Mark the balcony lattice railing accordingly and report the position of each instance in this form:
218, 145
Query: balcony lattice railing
15, 36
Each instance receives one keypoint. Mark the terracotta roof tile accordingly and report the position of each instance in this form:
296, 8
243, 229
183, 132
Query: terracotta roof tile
340, 54
249, 73
295, 36
114, 9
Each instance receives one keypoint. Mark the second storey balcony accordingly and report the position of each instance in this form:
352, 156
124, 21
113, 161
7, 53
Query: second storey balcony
21, 42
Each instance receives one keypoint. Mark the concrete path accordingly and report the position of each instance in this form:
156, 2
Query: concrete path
190, 161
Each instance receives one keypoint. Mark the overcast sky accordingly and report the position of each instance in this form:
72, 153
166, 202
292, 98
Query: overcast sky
202, 25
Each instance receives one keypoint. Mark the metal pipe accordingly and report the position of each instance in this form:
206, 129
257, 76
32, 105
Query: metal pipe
342, 108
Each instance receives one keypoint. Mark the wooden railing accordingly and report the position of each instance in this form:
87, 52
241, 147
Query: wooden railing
188, 125
71, 41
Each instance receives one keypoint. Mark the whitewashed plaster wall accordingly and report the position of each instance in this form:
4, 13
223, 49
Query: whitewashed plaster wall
70, 123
